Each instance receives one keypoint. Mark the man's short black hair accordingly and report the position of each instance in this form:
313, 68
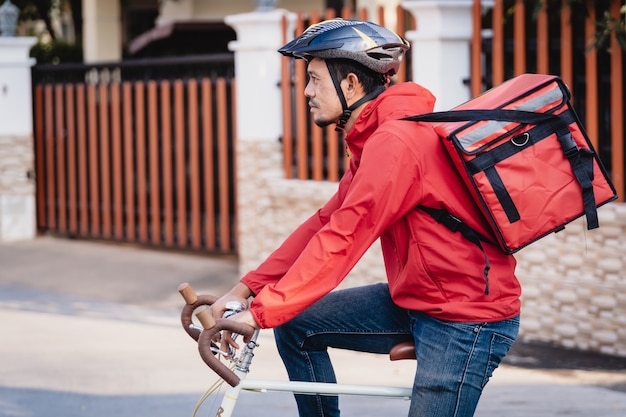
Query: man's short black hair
369, 79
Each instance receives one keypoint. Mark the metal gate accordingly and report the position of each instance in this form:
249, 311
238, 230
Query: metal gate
138, 151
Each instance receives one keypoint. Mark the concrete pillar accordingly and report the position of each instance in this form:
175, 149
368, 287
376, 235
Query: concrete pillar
102, 31
17, 191
258, 73
440, 48
259, 122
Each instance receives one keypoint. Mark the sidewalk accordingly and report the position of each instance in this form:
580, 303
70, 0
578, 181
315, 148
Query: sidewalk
92, 329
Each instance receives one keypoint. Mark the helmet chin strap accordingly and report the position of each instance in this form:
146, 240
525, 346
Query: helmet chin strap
347, 111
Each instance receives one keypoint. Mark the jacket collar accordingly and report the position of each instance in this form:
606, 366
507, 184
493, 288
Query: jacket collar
398, 101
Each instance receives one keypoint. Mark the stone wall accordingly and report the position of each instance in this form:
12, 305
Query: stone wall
574, 287
17, 191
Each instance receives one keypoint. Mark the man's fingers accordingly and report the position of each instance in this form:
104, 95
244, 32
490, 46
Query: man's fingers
229, 339
226, 342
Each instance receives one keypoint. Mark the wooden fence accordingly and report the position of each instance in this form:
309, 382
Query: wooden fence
509, 39
137, 152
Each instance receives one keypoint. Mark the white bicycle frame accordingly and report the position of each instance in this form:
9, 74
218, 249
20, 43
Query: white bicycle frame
242, 368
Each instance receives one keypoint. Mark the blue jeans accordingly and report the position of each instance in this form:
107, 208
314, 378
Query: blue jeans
455, 359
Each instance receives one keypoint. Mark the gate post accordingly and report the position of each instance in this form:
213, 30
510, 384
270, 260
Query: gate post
258, 156
440, 48
17, 191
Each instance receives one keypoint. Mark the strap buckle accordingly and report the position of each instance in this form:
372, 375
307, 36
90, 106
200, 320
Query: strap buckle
451, 222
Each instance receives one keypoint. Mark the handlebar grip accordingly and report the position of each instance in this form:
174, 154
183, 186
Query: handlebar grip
188, 293
206, 318
187, 313
204, 346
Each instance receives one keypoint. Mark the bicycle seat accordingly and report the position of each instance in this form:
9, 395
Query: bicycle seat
404, 350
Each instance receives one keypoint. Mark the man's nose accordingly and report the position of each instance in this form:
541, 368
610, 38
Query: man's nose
308, 91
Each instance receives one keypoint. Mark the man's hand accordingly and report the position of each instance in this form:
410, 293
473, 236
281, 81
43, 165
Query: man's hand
239, 293
244, 317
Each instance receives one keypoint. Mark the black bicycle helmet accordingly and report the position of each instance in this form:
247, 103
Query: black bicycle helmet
367, 43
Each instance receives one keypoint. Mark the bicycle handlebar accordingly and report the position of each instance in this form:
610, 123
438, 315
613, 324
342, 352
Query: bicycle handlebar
204, 346
205, 337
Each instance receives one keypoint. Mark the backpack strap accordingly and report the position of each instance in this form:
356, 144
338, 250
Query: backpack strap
453, 223
470, 115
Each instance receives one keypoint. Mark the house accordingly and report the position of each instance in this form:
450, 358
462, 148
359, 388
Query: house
147, 28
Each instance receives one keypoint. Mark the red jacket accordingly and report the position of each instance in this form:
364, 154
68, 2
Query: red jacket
395, 165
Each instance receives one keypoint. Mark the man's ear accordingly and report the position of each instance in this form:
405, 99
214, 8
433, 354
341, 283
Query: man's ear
351, 86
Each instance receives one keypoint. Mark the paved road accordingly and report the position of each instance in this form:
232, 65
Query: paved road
92, 329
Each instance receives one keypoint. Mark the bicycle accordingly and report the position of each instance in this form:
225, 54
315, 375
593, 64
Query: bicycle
235, 375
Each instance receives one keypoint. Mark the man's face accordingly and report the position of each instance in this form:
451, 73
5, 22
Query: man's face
323, 100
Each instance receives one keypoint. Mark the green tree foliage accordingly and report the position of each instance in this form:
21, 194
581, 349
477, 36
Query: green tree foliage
606, 25
53, 49
56, 51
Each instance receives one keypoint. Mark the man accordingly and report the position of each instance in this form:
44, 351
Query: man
462, 320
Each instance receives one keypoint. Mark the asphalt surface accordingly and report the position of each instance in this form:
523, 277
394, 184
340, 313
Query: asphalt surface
92, 329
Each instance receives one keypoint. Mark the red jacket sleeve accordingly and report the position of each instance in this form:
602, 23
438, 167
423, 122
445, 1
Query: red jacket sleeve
384, 188
279, 261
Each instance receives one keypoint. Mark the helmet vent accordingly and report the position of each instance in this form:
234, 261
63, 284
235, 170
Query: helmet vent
318, 29
378, 56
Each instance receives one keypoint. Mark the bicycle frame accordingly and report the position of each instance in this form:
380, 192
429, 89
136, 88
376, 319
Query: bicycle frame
237, 376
